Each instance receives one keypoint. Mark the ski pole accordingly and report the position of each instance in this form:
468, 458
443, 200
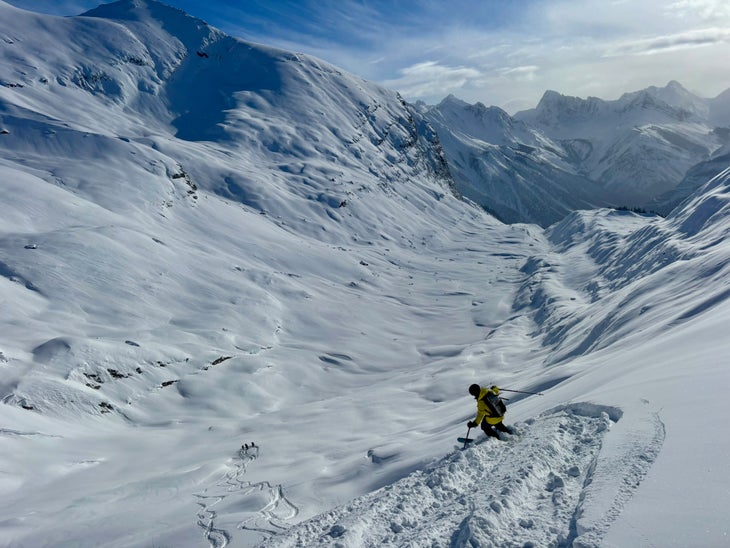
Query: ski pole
521, 392
466, 439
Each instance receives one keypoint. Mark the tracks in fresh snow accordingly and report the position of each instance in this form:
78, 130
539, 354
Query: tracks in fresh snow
615, 477
526, 492
236, 504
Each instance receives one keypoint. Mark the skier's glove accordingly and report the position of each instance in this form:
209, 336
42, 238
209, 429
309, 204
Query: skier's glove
471, 424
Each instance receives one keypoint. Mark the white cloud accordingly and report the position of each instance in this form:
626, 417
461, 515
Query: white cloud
429, 78
599, 48
521, 74
705, 9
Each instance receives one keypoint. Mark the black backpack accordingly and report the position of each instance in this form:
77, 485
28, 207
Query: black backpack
496, 405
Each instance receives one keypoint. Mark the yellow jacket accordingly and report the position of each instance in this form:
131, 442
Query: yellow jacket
483, 410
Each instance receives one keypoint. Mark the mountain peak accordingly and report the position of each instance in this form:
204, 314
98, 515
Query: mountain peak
673, 98
551, 95
552, 99
159, 25
557, 109
452, 100
674, 85
672, 90
135, 10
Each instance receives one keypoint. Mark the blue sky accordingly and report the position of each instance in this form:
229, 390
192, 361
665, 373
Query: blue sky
500, 52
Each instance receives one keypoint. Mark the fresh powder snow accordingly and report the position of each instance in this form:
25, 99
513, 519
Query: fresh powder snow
242, 303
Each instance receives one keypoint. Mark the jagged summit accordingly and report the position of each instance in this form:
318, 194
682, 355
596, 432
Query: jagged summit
672, 99
555, 109
452, 99
478, 114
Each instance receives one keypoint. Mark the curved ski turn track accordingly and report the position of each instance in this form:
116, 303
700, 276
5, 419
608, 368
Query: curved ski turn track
259, 507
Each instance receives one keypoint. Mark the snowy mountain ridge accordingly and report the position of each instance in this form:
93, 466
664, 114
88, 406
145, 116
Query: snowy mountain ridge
206, 243
141, 75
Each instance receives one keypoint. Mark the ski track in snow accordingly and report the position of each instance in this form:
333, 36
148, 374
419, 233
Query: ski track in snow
629, 465
526, 491
265, 515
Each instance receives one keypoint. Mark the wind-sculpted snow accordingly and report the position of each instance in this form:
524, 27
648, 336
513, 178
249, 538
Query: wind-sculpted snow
528, 490
582, 305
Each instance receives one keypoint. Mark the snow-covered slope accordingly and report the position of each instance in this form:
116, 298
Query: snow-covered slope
170, 75
695, 178
629, 314
206, 243
569, 153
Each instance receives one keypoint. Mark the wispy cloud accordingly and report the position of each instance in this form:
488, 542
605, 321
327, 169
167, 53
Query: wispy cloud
671, 43
429, 79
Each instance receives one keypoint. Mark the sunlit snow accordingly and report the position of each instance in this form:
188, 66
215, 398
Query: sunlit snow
242, 305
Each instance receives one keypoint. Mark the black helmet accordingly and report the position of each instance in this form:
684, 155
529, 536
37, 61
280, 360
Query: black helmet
474, 390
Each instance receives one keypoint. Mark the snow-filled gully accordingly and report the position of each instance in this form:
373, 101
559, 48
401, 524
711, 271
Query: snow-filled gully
526, 491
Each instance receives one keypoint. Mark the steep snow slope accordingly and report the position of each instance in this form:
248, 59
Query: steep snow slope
182, 275
301, 151
206, 243
260, 107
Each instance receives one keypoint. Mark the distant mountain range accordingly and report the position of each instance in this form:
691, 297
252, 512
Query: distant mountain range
648, 149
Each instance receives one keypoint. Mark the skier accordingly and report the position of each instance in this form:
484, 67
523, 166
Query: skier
490, 411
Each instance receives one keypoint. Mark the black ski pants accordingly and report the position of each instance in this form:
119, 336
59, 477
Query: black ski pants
491, 429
